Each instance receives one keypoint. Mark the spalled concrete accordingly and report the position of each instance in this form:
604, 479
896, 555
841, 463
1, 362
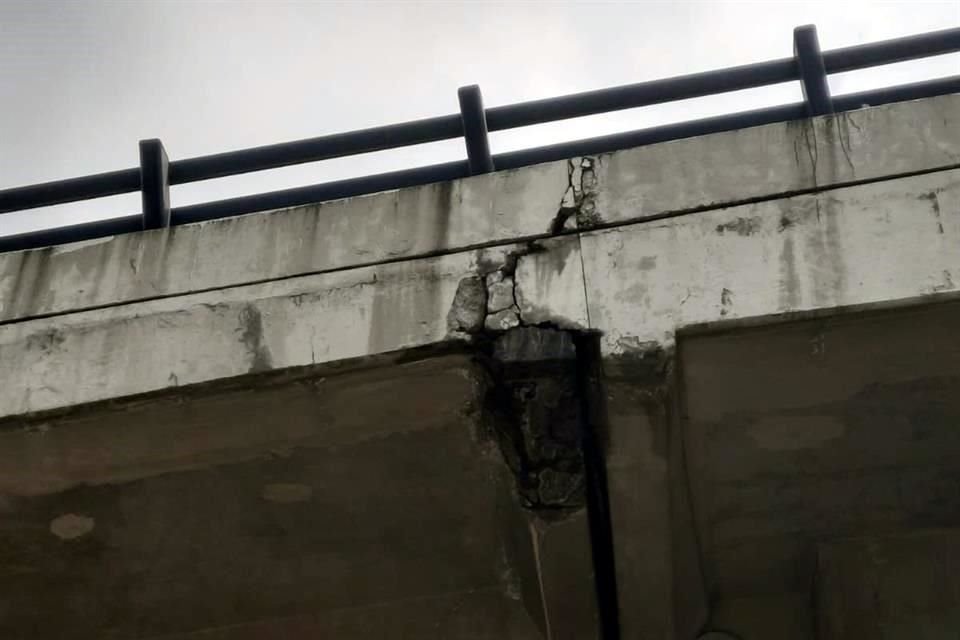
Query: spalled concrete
362, 419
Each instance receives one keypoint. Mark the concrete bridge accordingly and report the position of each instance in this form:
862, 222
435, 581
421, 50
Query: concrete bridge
705, 388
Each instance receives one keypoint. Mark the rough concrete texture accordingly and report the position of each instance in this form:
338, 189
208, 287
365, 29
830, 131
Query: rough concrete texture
300, 507
859, 245
132, 349
873, 243
497, 207
798, 434
736, 166
535, 417
913, 587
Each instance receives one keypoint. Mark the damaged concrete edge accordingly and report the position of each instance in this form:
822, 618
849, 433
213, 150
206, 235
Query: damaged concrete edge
541, 394
256, 379
491, 302
578, 207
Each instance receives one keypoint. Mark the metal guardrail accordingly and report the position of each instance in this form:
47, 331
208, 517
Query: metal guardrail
156, 174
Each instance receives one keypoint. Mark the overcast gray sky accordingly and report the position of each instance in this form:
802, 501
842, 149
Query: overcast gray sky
82, 82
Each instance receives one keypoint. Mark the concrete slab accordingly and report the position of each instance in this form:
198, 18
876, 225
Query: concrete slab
297, 505
804, 432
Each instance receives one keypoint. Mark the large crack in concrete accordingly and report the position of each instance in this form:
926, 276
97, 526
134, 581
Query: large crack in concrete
578, 207
531, 404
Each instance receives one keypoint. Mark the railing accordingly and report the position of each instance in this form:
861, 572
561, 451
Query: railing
155, 174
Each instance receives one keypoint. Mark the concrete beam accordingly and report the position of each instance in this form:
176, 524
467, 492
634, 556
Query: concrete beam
860, 245
868, 244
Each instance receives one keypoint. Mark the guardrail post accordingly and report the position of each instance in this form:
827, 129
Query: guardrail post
474, 120
154, 184
813, 75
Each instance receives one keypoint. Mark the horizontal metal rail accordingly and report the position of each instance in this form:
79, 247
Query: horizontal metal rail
875, 54
337, 145
808, 66
47, 194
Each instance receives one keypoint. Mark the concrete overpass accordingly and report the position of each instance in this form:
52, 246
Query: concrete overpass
696, 388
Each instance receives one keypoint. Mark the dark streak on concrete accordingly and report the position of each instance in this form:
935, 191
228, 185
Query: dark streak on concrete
935, 205
785, 223
726, 301
789, 278
740, 226
46, 340
251, 335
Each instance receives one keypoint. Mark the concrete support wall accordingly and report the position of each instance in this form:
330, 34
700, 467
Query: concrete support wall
113, 349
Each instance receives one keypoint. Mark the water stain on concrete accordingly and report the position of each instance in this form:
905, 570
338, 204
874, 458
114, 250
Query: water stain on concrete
71, 526
251, 335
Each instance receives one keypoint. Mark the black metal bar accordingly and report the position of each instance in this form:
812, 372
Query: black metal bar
337, 145
862, 56
813, 76
475, 137
47, 194
155, 184
593, 423
641, 94
641, 137
72, 233
900, 93
319, 193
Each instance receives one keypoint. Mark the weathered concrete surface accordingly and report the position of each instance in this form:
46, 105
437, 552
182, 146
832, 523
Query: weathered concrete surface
132, 349
705, 172
654, 538
498, 207
805, 432
365, 504
859, 245
902, 587
477, 615
716, 170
